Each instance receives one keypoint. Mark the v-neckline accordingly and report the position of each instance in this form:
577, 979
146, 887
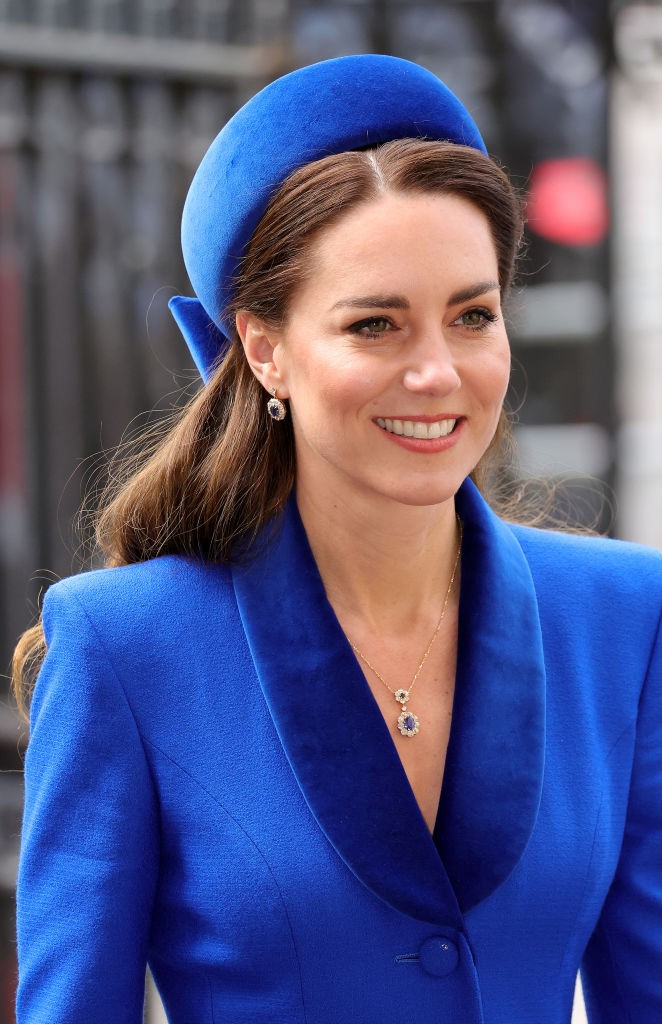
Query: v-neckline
338, 745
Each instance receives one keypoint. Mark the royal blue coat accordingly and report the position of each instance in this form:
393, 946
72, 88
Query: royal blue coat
211, 789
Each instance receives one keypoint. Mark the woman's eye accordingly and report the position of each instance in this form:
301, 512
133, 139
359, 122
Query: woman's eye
371, 327
476, 319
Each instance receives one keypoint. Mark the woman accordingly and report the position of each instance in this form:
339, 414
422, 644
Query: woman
332, 741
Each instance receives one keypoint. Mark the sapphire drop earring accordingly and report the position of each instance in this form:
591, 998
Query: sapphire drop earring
275, 407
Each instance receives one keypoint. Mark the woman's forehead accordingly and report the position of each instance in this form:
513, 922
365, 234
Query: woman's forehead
395, 232
400, 222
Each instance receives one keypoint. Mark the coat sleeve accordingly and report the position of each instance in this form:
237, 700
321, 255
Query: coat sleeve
622, 969
89, 847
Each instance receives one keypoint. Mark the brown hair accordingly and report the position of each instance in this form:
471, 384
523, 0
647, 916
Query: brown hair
216, 475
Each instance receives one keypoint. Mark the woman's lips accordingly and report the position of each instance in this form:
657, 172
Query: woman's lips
422, 434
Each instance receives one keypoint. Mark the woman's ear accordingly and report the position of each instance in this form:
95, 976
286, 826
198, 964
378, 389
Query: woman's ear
260, 342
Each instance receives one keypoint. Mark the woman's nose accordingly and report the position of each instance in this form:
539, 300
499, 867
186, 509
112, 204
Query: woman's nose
431, 366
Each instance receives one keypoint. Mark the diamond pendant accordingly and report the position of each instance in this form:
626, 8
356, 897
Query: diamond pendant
408, 723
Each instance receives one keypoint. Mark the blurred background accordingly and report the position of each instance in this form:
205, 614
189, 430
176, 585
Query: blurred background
106, 107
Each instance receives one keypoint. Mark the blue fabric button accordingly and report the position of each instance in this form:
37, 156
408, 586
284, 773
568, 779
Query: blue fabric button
438, 956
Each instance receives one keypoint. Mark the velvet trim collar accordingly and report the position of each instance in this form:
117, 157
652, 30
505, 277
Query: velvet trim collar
338, 744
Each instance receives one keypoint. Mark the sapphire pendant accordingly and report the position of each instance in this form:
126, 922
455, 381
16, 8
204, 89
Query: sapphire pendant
408, 723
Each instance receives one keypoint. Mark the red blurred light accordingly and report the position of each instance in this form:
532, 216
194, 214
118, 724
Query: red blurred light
567, 201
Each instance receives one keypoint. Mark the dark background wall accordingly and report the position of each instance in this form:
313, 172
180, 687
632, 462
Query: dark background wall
106, 106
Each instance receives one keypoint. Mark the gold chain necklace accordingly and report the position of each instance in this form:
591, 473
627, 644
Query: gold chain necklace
408, 722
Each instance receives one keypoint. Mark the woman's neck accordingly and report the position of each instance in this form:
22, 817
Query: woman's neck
385, 563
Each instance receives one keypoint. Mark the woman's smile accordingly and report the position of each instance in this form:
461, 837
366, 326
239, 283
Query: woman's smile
425, 435
423, 428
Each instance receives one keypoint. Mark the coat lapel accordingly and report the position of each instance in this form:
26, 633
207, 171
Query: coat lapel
338, 744
495, 759
332, 730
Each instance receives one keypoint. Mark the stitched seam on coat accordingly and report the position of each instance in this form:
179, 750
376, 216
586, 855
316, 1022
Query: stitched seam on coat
155, 795
649, 664
631, 725
211, 997
627, 1018
157, 802
601, 929
118, 680
250, 839
584, 898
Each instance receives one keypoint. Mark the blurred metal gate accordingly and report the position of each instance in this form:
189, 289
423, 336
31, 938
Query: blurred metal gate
99, 136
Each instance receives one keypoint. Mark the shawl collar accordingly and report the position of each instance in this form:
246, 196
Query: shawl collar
495, 759
338, 744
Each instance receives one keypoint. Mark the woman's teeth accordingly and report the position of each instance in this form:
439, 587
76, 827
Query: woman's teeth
414, 428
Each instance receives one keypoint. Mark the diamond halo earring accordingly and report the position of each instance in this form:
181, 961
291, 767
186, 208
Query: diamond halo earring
275, 407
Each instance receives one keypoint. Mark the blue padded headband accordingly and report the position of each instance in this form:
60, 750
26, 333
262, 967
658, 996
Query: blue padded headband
330, 107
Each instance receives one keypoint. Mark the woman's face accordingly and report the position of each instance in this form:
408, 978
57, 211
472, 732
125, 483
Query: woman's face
394, 356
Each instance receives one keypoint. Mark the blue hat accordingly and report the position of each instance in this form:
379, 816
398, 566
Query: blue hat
330, 107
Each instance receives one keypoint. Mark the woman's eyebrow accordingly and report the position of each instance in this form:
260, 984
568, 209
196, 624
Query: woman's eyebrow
399, 302
372, 302
473, 291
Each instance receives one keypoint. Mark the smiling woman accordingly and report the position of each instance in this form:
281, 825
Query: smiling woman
324, 714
